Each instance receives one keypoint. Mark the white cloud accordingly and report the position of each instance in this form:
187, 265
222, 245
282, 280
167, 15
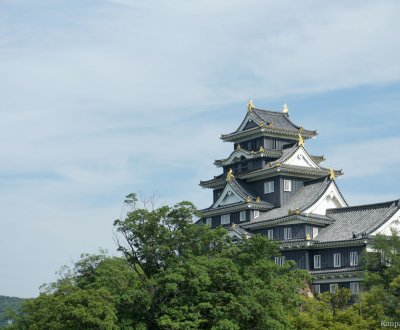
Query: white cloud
108, 97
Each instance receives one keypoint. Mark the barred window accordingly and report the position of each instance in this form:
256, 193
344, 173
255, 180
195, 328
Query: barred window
337, 262
287, 233
280, 261
316, 288
317, 261
208, 221
225, 219
354, 287
243, 216
269, 187
353, 259
333, 287
287, 185
270, 233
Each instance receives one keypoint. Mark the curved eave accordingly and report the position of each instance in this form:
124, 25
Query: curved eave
235, 207
266, 131
302, 171
318, 159
348, 242
273, 222
213, 183
252, 155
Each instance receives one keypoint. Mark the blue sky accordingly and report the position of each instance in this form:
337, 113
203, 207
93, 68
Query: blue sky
103, 98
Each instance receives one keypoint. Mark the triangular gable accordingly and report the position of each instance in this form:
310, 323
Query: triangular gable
331, 199
228, 196
392, 223
249, 118
301, 158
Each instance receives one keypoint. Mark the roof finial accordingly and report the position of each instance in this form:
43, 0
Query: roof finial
301, 140
258, 200
229, 176
285, 108
332, 175
250, 105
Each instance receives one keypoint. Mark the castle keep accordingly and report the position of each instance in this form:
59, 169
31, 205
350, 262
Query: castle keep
271, 185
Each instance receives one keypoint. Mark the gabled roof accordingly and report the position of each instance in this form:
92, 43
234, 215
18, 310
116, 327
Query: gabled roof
244, 195
269, 122
306, 197
361, 220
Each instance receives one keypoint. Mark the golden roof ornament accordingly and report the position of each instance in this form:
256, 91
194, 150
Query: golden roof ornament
261, 149
238, 147
261, 124
234, 225
301, 140
285, 108
250, 105
258, 200
308, 237
271, 124
229, 176
332, 175
248, 199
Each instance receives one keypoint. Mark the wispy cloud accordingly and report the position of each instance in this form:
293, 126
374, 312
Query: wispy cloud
102, 98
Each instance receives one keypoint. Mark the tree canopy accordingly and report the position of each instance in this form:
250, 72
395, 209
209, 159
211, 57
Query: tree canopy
174, 274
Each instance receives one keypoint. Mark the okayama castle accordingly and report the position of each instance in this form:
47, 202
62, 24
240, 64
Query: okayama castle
272, 186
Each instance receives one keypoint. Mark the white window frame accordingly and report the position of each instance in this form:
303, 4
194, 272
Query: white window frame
225, 219
354, 258
256, 214
355, 287
269, 187
270, 234
209, 222
317, 261
315, 231
243, 216
287, 233
280, 260
287, 185
337, 260
316, 288
333, 287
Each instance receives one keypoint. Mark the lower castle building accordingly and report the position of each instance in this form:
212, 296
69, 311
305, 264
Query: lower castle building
271, 185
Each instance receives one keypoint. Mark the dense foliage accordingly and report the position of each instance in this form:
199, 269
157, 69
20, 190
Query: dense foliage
7, 305
177, 275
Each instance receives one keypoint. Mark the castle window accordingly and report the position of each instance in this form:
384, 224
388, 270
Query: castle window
316, 288
256, 214
353, 259
208, 221
337, 262
354, 287
225, 219
280, 261
287, 233
243, 216
314, 232
287, 185
269, 187
317, 261
270, 233
333, 287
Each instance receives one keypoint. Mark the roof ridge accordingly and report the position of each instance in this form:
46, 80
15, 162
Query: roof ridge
365, 206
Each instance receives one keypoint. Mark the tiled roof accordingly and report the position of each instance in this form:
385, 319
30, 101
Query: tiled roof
278, 119
361, 220
335, 270
303, 199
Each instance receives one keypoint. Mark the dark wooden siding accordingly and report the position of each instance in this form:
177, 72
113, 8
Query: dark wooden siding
216, 193
327, 256
298, 256
298, 231
297, 184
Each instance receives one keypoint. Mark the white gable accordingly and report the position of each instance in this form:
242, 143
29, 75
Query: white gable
249, 117
301, 158
331, 199
392, 223
228, 196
